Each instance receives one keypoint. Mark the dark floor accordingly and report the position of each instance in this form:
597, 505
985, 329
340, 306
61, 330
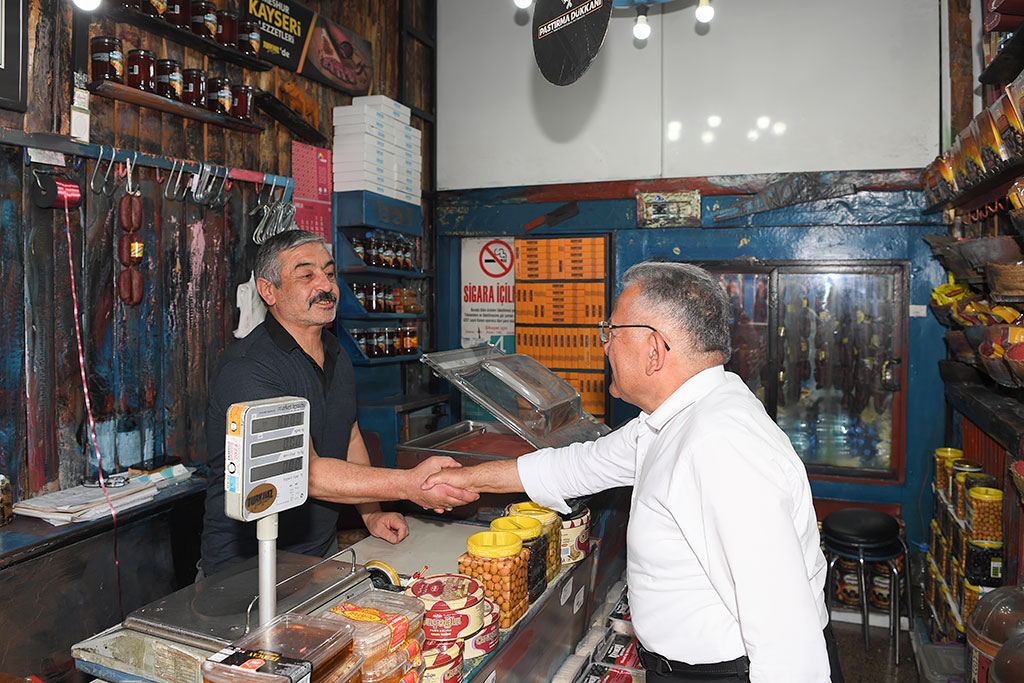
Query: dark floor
876, 665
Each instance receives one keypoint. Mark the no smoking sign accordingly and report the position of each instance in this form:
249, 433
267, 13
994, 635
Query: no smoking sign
496, 258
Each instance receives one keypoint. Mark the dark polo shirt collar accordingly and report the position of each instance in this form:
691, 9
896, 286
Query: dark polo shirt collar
286, 342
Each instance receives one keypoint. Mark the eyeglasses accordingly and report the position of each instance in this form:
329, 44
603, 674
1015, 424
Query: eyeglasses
605, 328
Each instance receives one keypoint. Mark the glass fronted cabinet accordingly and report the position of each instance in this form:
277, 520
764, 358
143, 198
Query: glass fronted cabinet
820, 345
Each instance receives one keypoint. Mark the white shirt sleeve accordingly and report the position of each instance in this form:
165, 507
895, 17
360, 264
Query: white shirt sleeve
755, 557
551, 475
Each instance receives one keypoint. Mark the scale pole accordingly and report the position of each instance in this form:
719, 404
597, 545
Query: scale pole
266, 534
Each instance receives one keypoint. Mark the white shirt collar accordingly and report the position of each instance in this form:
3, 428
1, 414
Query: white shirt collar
689, 392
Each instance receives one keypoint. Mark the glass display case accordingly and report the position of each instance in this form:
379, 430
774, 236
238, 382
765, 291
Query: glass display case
829, 372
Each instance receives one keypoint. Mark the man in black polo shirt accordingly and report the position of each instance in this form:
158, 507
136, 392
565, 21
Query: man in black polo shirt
291, 354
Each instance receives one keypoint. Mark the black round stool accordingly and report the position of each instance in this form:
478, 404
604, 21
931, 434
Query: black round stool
866, 535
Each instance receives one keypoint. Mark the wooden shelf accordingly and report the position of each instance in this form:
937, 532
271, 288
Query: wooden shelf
386, 360
289, 118
184, 36
391, 273
117, 91
1007, 63
992, 187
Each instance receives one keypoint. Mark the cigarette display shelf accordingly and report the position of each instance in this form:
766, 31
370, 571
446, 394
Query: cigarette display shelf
182, 36
1007, 63
992, 187
124, 93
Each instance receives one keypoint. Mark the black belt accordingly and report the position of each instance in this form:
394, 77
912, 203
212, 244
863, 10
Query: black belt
659, 665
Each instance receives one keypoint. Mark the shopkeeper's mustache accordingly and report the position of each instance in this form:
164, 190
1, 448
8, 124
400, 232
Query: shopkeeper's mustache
323, 296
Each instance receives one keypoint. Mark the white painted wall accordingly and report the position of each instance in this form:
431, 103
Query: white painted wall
856, 86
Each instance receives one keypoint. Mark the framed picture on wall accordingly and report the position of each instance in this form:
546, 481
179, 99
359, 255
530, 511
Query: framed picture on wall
13, 54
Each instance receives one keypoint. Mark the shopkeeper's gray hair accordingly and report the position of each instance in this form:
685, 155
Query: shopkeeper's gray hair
267, 265
689, 298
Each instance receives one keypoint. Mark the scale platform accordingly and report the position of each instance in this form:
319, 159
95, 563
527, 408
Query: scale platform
214, 612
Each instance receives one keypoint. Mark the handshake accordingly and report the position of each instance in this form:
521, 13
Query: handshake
444, 484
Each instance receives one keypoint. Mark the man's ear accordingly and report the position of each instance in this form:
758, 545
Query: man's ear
266, 289
655, 354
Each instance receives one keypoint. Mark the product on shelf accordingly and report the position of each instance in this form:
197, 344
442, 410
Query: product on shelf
227, 28
552, 524
204, 19
242, 102
498, 560
218, 95
106, 59
983, 562
194, 92
141, 73
178, 13
535, 541
249, 38
169, 81
985, 513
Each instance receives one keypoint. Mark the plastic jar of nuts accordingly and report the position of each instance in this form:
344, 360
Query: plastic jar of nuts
535, 541
552, 525
943, 460
972, 594
957, 486
985, 513
983, 562
933, 536
498, 560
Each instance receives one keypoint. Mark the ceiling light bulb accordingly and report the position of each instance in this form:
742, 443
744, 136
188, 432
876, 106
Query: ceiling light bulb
705, 12
753, 135
714, 121
87, 5
641, 29
763, 122
523, 4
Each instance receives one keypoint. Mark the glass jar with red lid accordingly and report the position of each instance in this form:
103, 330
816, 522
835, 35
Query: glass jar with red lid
218, 95
242, 102
169, 81
194, 91
141, 70
107, 59
178, 13
249, 37
204, 19
227, 28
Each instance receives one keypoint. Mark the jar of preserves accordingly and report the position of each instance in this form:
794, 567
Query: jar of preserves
373, 257
374, 342
169, 80
154, 8
552, 525
985, 513
404, 254
388, 253
375, 297
390, 341
178, 13
359, 337
530, 531
360, 293
227, 28
359, 247
194, 92
408, 340
106, 59
204, 19
249, 38
956, 490
498, 560
983, 562
242, 102
141, 70
412, 300
218, 95
397, 303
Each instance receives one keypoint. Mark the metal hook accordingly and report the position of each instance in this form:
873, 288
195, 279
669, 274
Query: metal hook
220, 199
95, 170
131, 187
35, 172
175, 194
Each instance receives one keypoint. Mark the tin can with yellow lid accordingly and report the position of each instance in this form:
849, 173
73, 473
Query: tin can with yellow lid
531, 531
551, 523
498, 560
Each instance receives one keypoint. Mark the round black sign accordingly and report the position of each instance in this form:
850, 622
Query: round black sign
567, 35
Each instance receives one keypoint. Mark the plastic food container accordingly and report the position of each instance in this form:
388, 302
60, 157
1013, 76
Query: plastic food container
443, 661
383, 622
552, 527
409, 608
454, 605
933, 536
324, 643
943, 466
983, 562
574, 540
106, 59
498, 560
530, 530
972, 594
485, 640
985, 513
391, 668
957, 485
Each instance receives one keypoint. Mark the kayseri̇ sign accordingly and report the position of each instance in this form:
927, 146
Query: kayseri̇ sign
300, 40
567, 35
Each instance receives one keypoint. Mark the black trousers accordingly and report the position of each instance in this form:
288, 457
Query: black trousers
697, 677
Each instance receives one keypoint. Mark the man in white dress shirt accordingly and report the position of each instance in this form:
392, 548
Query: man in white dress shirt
723, 564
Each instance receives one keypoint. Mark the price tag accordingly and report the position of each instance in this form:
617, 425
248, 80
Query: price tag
578, 602
566, 592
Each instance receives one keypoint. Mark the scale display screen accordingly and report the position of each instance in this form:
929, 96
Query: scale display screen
266, 457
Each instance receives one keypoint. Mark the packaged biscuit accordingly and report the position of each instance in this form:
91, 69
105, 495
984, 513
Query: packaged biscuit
990, 143
1008, 124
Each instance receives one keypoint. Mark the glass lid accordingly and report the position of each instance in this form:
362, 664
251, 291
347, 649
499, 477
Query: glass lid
527, 397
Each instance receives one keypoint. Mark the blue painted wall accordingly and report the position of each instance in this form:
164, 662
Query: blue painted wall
865, 226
